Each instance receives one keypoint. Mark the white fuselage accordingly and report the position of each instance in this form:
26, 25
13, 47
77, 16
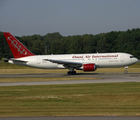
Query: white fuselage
101, 60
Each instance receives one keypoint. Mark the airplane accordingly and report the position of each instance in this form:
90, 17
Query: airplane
85, 62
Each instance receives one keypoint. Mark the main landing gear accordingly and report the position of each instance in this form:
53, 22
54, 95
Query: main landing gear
126, 70
71, 72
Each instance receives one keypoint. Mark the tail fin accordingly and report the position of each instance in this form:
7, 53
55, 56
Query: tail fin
17, 48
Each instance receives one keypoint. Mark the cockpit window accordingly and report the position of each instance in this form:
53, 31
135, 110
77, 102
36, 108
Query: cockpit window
131, 56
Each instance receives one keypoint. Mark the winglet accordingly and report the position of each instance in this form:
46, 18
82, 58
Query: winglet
17, 48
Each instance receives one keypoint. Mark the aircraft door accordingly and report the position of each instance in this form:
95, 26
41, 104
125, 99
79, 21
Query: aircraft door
122, 58
38, 60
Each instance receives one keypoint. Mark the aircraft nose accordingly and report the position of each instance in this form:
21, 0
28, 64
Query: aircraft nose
136, 60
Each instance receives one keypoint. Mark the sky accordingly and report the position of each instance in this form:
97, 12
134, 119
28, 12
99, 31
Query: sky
68, 17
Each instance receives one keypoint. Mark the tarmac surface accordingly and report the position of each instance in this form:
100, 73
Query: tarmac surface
72, 118
104, 78
101, 78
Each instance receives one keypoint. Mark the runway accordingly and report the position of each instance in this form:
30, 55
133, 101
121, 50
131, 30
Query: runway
103, 78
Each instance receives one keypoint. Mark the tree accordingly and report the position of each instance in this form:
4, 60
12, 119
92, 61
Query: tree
38, 47
121, 41
5, 51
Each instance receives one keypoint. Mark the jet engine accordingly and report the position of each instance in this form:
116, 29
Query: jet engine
89, 67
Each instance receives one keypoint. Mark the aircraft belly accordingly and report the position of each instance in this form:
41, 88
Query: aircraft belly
112, 64
47, 65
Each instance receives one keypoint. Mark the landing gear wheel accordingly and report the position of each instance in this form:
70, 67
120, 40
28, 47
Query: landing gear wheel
68, 73
74, 72
71, 72
125, 71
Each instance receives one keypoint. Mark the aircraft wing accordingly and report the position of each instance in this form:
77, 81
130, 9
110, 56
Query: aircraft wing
66, 64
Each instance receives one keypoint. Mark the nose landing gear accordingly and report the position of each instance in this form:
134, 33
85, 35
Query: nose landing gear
126, 70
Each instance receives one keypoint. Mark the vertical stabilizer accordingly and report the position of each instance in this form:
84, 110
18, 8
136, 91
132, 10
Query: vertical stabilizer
17, 48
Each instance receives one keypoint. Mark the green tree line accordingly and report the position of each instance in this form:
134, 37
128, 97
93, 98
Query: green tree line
114, 41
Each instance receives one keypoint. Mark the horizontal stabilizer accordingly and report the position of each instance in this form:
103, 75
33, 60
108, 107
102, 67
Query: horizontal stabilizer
15, 60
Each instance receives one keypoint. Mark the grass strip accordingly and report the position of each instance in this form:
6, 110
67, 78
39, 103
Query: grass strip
119, 99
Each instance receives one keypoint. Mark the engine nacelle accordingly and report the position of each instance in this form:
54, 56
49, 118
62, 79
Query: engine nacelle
89, 67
